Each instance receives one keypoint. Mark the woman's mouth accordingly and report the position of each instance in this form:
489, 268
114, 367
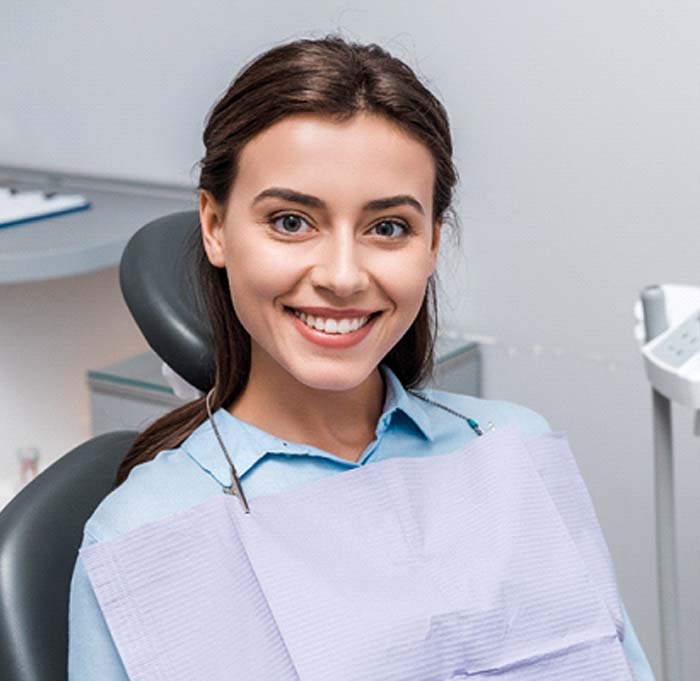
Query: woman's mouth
333, 325
332, 332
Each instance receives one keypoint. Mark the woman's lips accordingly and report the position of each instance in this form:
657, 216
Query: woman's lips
332, 340
334, 312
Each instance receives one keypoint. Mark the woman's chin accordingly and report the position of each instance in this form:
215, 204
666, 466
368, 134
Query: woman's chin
333, 376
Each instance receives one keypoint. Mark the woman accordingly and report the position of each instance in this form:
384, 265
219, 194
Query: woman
324, 190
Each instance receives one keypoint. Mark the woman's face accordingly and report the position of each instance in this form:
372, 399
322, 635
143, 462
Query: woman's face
328, 244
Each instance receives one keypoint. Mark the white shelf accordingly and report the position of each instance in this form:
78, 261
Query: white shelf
84, 241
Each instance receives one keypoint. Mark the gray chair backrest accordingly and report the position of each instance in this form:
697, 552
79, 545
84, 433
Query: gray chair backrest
40, 532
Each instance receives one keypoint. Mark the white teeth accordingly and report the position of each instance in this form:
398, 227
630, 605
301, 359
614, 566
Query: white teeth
331, 324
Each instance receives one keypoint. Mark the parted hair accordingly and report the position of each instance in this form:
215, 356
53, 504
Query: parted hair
330, 77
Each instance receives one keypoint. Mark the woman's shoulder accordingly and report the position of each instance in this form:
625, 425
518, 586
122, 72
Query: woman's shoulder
498, 412
168, 483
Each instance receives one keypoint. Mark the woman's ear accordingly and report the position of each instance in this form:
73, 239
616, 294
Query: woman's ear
435, 246
210, 219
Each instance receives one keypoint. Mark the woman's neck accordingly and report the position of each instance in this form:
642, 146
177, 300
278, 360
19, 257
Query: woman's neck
341, 422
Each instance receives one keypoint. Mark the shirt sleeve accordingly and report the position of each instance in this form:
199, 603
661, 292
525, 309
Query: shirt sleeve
91, 650
528, 421
634, 653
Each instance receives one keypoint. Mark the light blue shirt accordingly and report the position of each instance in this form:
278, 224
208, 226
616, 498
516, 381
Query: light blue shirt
196, 470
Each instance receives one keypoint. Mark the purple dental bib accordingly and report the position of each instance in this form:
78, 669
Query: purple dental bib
487, 562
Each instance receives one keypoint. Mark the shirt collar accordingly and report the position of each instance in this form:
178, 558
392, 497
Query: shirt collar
399, 399
246, 444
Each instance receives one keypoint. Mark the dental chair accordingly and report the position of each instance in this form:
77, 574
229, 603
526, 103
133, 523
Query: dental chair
41, 528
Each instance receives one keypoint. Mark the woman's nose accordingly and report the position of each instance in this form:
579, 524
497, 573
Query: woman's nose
339, 268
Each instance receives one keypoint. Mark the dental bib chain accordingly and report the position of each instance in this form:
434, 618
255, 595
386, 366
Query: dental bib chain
235, 488
472, 423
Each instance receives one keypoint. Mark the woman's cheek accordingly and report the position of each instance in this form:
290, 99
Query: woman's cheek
267, 271
406, 276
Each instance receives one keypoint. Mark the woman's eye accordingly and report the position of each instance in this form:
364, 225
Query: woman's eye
289, 223
388, 228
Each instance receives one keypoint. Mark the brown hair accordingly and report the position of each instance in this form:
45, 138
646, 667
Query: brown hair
333, 78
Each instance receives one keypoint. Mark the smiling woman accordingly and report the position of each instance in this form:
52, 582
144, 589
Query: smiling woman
354, 262
323, 192
381, 533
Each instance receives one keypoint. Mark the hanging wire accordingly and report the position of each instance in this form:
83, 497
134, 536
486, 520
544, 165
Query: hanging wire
472, 423
235, 487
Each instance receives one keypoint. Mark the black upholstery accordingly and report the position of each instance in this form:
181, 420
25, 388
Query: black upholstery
40, 531
158, 282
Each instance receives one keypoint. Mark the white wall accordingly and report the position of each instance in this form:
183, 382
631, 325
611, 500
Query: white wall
576, 136
51, 333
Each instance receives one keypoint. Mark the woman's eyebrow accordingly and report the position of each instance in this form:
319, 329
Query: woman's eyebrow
315, 202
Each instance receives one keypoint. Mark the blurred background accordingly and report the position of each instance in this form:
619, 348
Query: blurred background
577, 141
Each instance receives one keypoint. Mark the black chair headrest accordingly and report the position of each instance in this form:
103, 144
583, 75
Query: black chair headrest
158, 279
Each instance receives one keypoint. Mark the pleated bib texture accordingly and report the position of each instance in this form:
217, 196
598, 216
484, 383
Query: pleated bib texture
487, 562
